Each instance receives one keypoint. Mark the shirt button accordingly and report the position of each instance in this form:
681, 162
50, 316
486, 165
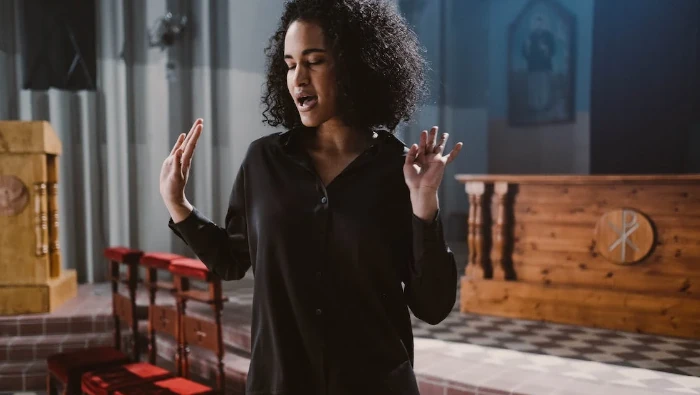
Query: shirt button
324, 200
319, 311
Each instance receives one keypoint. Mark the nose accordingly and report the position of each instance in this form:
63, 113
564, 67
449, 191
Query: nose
301, 75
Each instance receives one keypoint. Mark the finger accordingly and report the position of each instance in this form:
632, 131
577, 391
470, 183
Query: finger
177, 163
189, 149
454, 153
441, 144
431, 139
411, 155
191, 132
178, 143
422, 144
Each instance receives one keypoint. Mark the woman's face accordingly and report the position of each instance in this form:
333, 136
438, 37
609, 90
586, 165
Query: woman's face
310, 77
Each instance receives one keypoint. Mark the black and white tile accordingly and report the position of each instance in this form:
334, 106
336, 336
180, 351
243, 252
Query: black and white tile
667, 354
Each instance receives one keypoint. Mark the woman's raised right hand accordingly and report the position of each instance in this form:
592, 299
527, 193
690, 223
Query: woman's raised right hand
176, 170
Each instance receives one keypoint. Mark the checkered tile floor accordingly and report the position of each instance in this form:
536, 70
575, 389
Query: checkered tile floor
667, 354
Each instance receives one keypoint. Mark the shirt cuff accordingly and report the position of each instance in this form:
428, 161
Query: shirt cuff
427, 231
187, 226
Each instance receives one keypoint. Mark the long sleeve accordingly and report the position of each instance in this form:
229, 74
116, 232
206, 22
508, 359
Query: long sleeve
432, 287
224, 250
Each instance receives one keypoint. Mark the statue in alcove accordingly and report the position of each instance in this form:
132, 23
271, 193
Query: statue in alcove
538, 51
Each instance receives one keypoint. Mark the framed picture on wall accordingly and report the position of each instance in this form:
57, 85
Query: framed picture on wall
541, 65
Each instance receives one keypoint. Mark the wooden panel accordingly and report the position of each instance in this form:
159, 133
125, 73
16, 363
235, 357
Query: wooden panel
588, 203
163, 319
27, 299
560, 215
591, 212
604, 299
62, 288
202, 333
19, 263
579, 179
675, 316
622, 278
526, 245
52, 192
538, 242
665, 235
26, 137
40, 298
576, 194
675, 266
123, 308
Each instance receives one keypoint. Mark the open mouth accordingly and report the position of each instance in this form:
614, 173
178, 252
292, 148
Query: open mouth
307, 102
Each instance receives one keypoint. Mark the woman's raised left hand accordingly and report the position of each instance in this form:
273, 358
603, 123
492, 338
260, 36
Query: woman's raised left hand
424, 168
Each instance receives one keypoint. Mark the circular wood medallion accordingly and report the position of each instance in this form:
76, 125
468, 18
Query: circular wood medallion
624, 236
14, 196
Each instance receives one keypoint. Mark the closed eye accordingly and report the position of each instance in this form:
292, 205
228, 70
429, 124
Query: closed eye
318, 62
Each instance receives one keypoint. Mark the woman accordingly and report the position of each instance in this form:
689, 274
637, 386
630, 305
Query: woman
338, 219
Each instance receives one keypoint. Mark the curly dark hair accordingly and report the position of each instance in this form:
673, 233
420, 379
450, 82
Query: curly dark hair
380, 66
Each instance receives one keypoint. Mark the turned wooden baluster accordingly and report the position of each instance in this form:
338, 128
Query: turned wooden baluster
469, 269
499, 203
502, 251
478, 265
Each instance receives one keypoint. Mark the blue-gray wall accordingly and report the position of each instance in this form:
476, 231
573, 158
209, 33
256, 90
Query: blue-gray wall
467, 47
547, 149
503, 13
455, 36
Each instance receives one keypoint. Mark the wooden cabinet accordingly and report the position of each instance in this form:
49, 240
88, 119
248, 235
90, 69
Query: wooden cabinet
618, 252
31, 276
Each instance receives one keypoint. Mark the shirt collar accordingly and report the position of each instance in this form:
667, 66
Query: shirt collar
288, 138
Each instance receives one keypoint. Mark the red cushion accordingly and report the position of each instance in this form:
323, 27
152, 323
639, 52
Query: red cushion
190, 268
69, 366
159, 260
173, 386
106, 381
122, 254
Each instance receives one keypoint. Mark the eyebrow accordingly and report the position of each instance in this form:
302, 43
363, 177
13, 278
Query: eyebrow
306, 52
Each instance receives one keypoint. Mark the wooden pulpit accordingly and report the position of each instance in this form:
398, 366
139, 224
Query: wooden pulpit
31, 277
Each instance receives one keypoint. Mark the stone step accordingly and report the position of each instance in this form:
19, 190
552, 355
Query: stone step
38, 348
54, 325
23, 376
23, 366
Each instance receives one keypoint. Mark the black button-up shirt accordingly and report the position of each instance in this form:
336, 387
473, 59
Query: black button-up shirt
336, 268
